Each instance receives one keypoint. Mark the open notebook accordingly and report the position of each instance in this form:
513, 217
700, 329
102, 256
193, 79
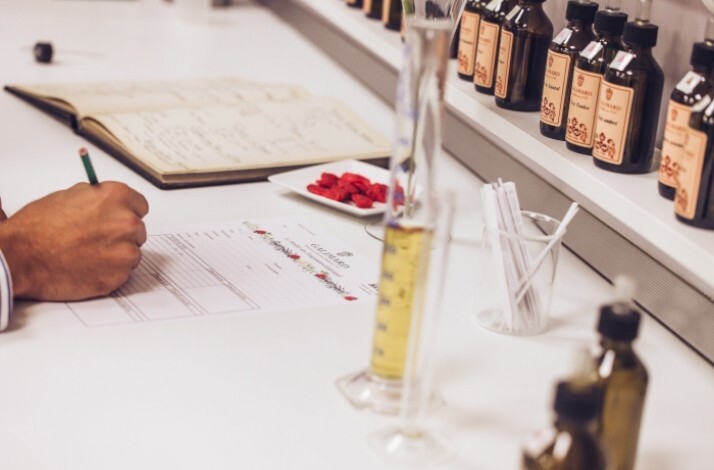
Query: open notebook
215, 131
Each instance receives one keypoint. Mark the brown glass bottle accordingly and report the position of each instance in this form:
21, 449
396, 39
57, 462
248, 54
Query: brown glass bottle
564, 50
624, 385
525, 38
468, 37
392, 14
629, 103
576, 407
689, 91
694, 199
489, 37
372, 9
587, 78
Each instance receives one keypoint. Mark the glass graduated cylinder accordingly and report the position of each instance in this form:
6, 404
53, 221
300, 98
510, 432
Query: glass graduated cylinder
400, 291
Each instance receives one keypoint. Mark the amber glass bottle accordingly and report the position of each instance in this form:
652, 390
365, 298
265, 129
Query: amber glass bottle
488, 40
689, 91
564, 50
525, 37
572, 445
694, 200
469, 28
629, 103
624, 385
372, 9
587, 77
392, 14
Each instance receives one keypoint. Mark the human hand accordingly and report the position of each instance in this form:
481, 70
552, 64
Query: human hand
75, 244
3, 216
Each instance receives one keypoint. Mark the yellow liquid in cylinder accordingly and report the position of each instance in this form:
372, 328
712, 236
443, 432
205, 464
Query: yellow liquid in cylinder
397, 294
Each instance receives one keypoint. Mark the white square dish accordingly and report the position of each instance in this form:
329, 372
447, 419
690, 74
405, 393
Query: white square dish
298, 180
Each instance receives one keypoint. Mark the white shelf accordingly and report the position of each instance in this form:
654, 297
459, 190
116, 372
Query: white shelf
630, 204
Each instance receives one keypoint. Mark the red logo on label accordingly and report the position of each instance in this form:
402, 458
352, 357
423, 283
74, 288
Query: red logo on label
550, 61
608, 94
674, 114
581, 79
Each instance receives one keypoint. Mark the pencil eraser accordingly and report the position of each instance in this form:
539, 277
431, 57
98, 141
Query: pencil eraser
43, 52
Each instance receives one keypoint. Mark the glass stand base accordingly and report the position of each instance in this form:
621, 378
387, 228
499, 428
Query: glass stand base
412, 446
366, 391
375, 229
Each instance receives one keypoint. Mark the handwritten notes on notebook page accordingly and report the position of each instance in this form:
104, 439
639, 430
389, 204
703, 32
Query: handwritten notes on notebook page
262, 265
248, 135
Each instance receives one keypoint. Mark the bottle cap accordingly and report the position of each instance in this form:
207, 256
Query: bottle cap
610, 22
640, 34
577, 403
43, 52
702, 55
619, 322
585, 12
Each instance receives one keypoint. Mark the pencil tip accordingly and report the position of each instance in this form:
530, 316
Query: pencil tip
83, 152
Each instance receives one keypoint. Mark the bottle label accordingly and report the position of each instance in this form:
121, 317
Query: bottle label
612, 123
467, 42
562, 36
621, 60
386, 7
591, 50
675, 136
367, 6
583, 108
514, 11
493, 5
486, 54
690, 174
690, 81
554, 85
504, 64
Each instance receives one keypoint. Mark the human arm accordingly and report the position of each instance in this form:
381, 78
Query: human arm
75, 244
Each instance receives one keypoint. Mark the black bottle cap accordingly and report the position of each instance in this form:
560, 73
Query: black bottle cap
610, 22
619, 322
584, 12
43, 52
702, 55
577, 403
640, 34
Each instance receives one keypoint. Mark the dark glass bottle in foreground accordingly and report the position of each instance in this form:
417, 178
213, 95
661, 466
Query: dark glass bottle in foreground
469, 28
694, 199
489, 38
572, 443
563, 52
629, 103
587, 77
689, 91
525, 38
624, 380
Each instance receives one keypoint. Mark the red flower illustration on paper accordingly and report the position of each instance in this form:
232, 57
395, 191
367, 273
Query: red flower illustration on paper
259, 232
321, 276
294, 256
350, 297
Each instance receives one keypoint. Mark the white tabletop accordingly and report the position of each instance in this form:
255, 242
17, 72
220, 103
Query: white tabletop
257, 391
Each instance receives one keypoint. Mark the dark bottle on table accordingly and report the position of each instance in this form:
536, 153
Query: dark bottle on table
624, 380
571, 444
489, 38
629, 103
372, 9
564, 50
694, 199
525, 38
689, 91
587, 77
354, 3
469, 28
392, 14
